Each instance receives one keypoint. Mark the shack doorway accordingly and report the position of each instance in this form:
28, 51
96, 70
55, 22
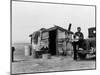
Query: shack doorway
52, 42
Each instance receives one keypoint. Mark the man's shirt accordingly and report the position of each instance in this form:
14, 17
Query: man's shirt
79, 34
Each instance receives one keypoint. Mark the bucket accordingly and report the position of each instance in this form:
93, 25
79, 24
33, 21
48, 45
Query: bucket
46, 56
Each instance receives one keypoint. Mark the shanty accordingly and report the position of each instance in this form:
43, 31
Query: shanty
55, 41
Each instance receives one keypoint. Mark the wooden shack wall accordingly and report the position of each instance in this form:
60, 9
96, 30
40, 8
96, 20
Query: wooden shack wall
63, 45
61, 34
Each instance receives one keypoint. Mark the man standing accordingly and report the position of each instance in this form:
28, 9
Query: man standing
78, 37
12, 54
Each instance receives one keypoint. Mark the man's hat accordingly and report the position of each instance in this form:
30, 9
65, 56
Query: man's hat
78, 27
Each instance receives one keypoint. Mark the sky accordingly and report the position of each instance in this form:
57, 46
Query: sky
28, 17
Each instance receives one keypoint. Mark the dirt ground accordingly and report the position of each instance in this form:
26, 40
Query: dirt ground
27, 64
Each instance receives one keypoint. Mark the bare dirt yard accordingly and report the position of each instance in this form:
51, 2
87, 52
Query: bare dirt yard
28, 64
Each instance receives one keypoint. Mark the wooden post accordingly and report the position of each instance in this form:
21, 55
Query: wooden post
12, 53
57, 42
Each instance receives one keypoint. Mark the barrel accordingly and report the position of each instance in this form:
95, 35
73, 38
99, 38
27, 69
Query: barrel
27, 50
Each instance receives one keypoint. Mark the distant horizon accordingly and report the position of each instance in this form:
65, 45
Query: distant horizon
20, 42
28, 41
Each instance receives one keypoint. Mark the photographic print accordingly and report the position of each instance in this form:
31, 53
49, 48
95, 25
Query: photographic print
52, 37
